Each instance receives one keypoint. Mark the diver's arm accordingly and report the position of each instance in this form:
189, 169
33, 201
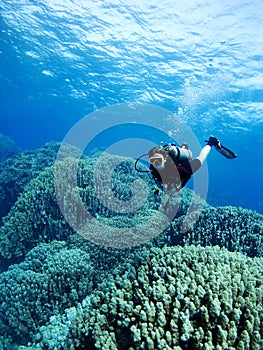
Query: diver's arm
204, 153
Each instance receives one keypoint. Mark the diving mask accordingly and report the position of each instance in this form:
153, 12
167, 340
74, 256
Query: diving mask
156, 159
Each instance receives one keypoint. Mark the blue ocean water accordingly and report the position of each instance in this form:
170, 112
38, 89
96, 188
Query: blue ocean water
61, 60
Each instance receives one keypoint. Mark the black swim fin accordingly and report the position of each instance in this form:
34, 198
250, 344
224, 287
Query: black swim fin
225, 152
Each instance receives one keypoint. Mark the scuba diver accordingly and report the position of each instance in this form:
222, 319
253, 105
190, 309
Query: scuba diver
172, 167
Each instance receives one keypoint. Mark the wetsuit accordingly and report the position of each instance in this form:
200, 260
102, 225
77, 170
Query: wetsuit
175, 174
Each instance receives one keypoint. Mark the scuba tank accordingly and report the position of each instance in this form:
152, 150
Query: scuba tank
178, 154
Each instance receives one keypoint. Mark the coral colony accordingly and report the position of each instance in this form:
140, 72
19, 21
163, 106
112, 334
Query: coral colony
198, 289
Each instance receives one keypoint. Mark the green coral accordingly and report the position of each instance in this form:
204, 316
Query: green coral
51, 278
36, 216
159, 298
237, 229
172, 298
16, 172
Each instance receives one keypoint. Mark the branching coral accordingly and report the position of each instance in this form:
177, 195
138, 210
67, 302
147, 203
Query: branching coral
172, 298
17, 171
236, 229
169, 297
51, 278
36, 216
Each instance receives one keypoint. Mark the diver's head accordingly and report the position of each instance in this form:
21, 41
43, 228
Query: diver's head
157, 157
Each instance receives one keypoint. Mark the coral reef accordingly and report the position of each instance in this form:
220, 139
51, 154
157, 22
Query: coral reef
169, 298
51, 278
237, 229
36, 216
66, 292
16, 172
7, 147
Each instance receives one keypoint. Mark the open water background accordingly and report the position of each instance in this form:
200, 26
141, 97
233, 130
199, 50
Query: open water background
202, 60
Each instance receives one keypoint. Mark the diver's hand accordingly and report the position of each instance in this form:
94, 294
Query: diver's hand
171, 149
213, 141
